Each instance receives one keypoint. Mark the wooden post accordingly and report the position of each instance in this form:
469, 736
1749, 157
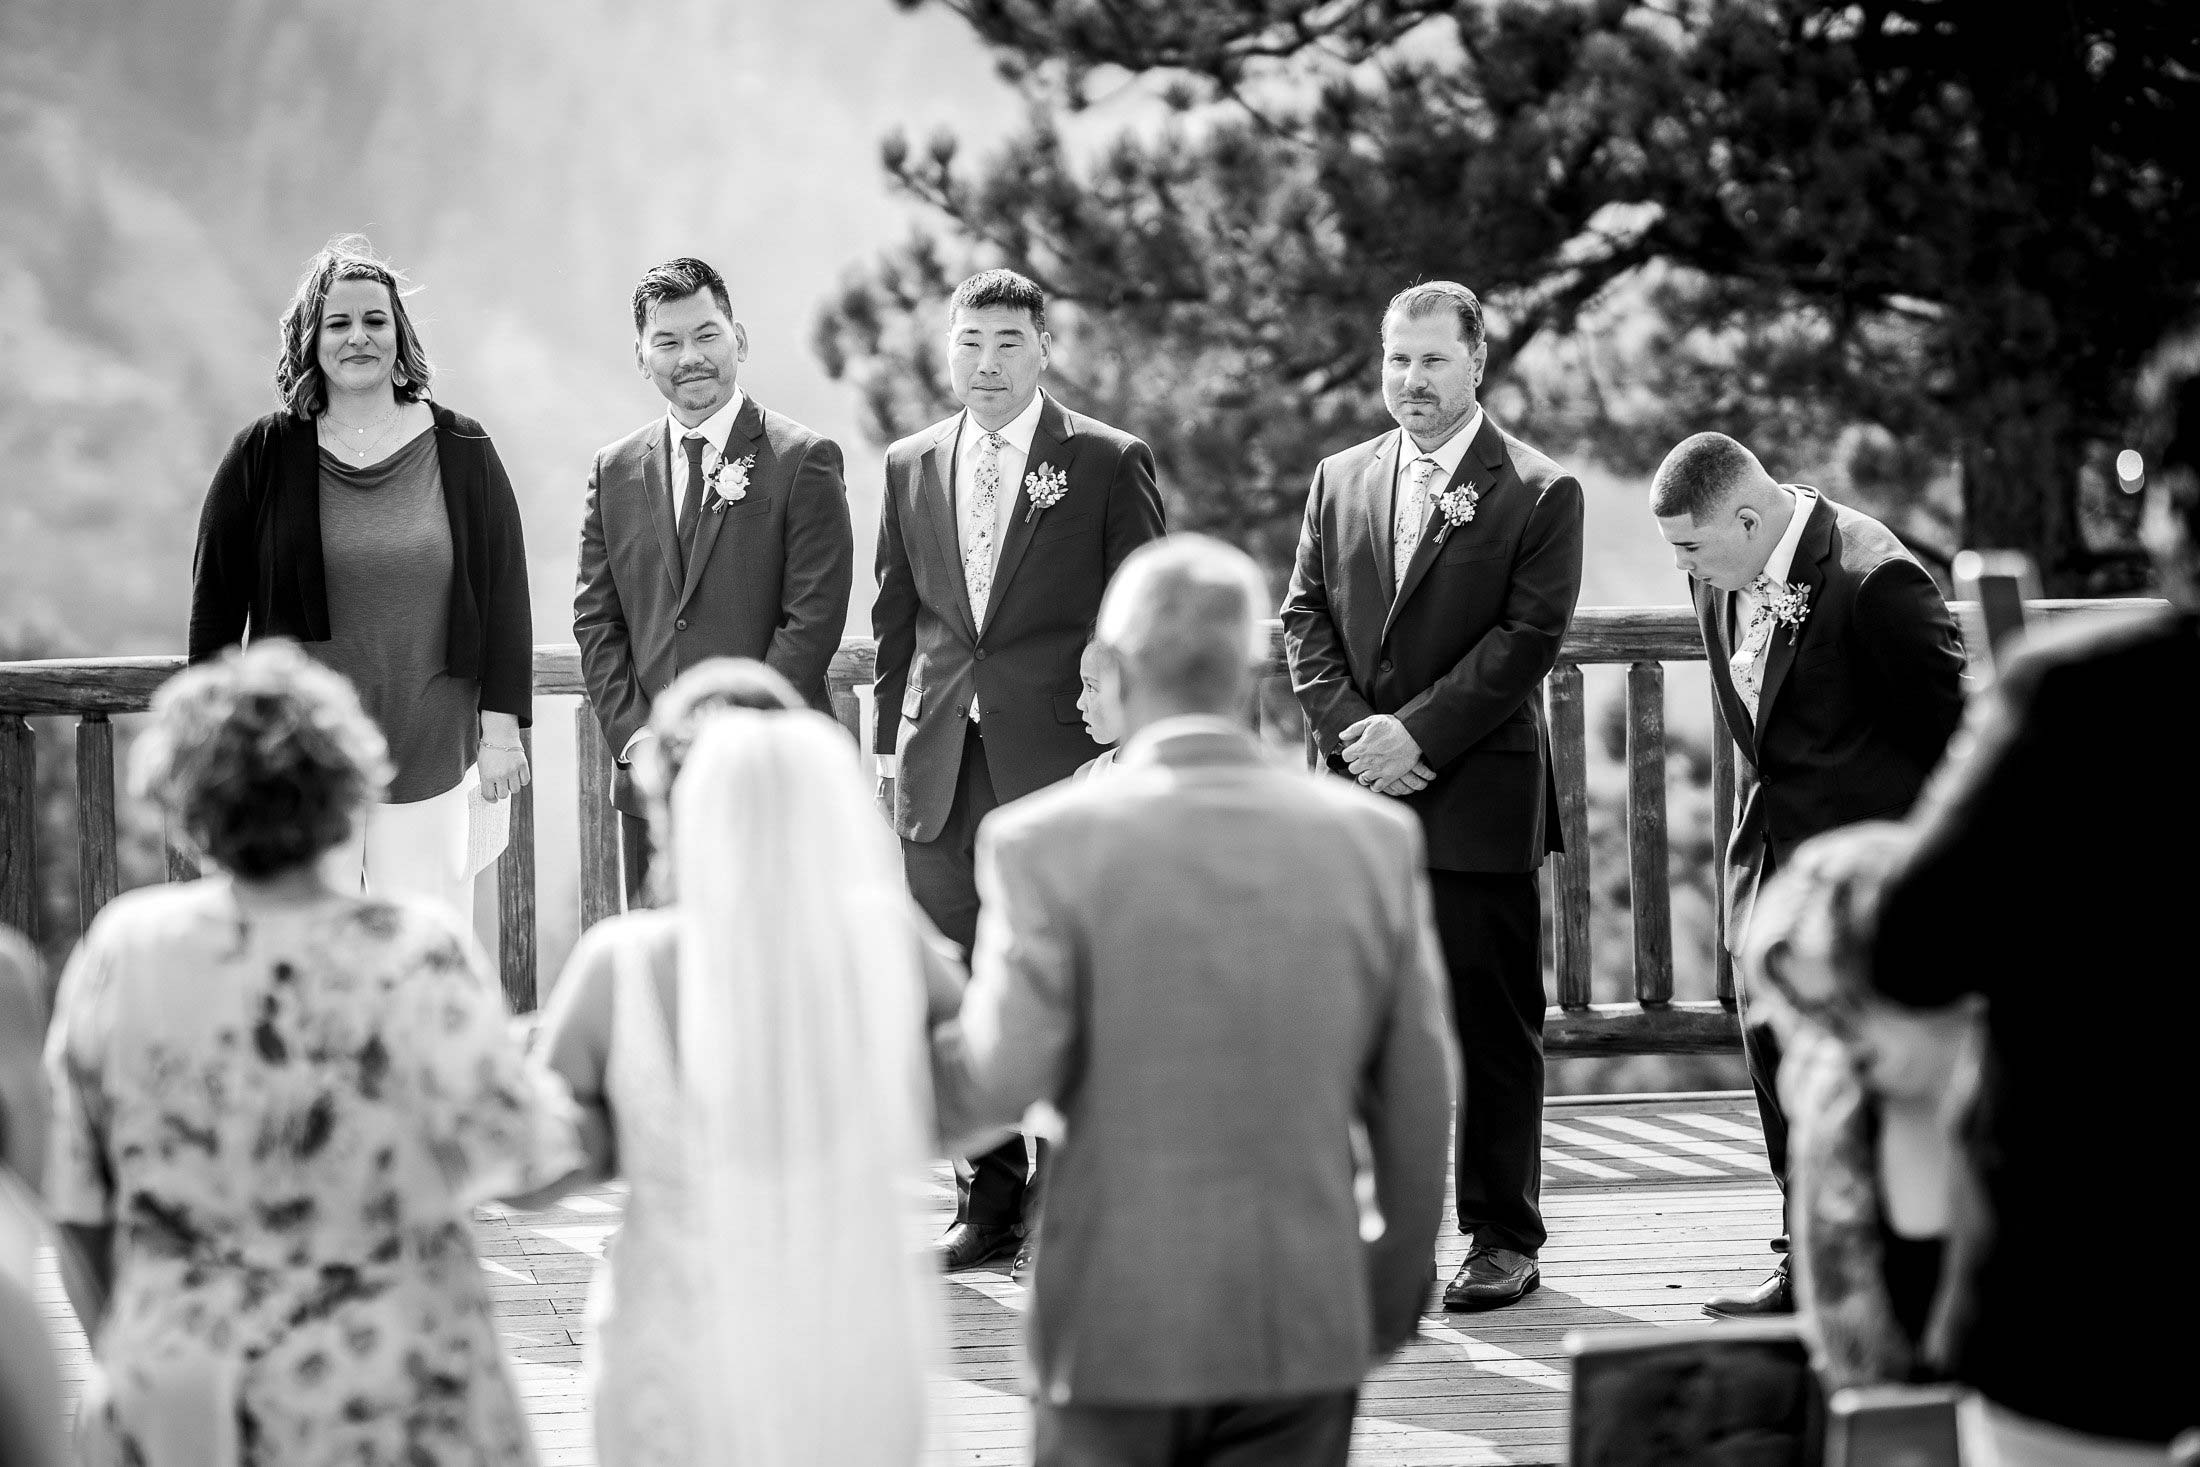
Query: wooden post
97, 876
18, 826
1570, 768
1646, 847
599, 822
1722, 831
516, 894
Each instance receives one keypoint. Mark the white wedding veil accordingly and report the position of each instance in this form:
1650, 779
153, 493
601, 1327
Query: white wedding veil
802, 1060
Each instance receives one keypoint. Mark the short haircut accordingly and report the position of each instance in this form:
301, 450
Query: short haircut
1441, 295
999, 288
299, 381
708, 687
264, 758
1185, 613
676, 280
1699, 474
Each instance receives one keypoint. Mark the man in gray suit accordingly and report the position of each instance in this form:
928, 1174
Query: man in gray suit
1224, 974
718, 530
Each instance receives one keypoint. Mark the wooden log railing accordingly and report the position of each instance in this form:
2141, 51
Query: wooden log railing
1642, 640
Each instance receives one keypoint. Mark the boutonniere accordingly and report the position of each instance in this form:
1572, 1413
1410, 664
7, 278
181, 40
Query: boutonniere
1785, 605
1457, 506
1046, 485
729, 482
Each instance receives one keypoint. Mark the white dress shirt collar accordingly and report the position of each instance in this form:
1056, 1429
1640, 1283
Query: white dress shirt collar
1783, 554
1448, 453
1017, 431
716, 428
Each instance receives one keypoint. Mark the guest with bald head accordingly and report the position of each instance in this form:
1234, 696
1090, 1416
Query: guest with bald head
1839, 672
1225, 975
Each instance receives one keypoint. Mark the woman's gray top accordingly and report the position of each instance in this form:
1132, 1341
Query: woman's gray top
386, 553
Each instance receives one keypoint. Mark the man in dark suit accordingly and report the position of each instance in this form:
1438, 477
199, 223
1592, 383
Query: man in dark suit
1437, 573
2055, 874
1839, 673
1154, 961
1000, 529
719, 530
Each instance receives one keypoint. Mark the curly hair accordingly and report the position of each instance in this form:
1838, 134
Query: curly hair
299, 380
263, 758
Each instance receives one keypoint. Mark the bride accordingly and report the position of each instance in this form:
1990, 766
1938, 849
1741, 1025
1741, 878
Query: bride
751, 1059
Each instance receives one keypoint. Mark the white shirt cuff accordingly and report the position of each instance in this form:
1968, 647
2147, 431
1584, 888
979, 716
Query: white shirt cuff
889, 766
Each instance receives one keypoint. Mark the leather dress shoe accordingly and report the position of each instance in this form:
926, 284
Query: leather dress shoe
1774, 1296
1491, 1278
966, 1245
1026, 1258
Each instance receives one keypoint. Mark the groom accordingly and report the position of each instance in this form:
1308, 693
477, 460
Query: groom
1839, 673
1000, 530
718, 530
1436, 577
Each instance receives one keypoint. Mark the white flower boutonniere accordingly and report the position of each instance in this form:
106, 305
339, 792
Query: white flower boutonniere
1785, 605
1046, 485
1457, 506
729, 482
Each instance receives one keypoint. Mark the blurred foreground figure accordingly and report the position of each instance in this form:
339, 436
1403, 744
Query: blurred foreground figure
750, 1057
2056, 875
30, 1383
1224, 975
274, 1103
1839, 673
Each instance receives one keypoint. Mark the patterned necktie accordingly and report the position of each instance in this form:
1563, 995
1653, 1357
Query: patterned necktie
1405, 530
1754, 609
984, 510
691, 498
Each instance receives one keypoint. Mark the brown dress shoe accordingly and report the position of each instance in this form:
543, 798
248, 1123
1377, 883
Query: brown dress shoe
966, 1245
1491, 1278
1772, 1297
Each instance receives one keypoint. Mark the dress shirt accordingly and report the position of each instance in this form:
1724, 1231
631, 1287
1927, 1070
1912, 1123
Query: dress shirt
1016, 435
715, 430
1777, 567
1447, 455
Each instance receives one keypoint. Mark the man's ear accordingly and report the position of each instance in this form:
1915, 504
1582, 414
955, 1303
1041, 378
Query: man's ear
740, 342
1750, 518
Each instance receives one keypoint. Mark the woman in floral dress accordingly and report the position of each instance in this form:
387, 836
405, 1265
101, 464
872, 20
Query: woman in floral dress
274, 1103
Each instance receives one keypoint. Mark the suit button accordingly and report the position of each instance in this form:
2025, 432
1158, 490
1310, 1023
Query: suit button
1382, 666
682, 625
981, 654
962, 710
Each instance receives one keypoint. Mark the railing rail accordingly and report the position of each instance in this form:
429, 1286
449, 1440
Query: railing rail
1641, 639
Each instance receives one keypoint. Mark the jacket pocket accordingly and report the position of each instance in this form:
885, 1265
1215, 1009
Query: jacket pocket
912, 702
1049, 529
1460, 551
1514, 735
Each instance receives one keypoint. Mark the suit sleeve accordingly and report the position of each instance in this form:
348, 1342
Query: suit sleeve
893, 622
508, 633
1910, 640
818, 570
1406, 1107
1015, 1040
599, 625
1507, 666
1135, 514
1313, 644
224, 563
1983, 804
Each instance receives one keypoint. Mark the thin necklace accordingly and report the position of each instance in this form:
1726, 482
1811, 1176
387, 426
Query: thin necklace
362, 451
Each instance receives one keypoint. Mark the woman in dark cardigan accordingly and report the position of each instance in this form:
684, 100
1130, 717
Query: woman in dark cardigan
379, 530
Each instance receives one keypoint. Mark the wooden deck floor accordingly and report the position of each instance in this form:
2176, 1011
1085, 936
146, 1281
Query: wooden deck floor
1652, 1203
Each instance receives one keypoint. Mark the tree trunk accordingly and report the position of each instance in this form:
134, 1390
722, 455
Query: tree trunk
2021, 455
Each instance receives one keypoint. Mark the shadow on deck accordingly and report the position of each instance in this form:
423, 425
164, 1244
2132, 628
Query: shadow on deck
1654, 1203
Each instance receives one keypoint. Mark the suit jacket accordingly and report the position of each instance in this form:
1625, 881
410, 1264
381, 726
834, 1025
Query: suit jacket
1459, 651
1852, 716
2054, 875
1215, 1033
1022, 667
769, 580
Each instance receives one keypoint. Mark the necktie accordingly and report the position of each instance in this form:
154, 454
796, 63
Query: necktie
984, 510
691, 499
1405, 530
1754, 609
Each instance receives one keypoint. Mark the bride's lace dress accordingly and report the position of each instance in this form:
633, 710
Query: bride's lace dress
643, 1343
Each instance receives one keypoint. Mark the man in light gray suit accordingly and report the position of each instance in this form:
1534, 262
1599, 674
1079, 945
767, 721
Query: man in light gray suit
1224, 974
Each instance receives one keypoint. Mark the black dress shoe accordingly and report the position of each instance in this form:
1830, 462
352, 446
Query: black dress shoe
1772, 1297
966, 1245
1027, 1256
1491, 1278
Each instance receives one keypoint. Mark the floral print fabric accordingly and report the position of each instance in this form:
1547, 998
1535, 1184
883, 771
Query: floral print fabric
285, 1117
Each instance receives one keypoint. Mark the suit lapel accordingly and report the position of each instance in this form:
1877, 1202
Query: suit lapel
656, 489
1712, 615
1048, 442
1478, 470
741, 441
936, 502
1377, 507
1809, 572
